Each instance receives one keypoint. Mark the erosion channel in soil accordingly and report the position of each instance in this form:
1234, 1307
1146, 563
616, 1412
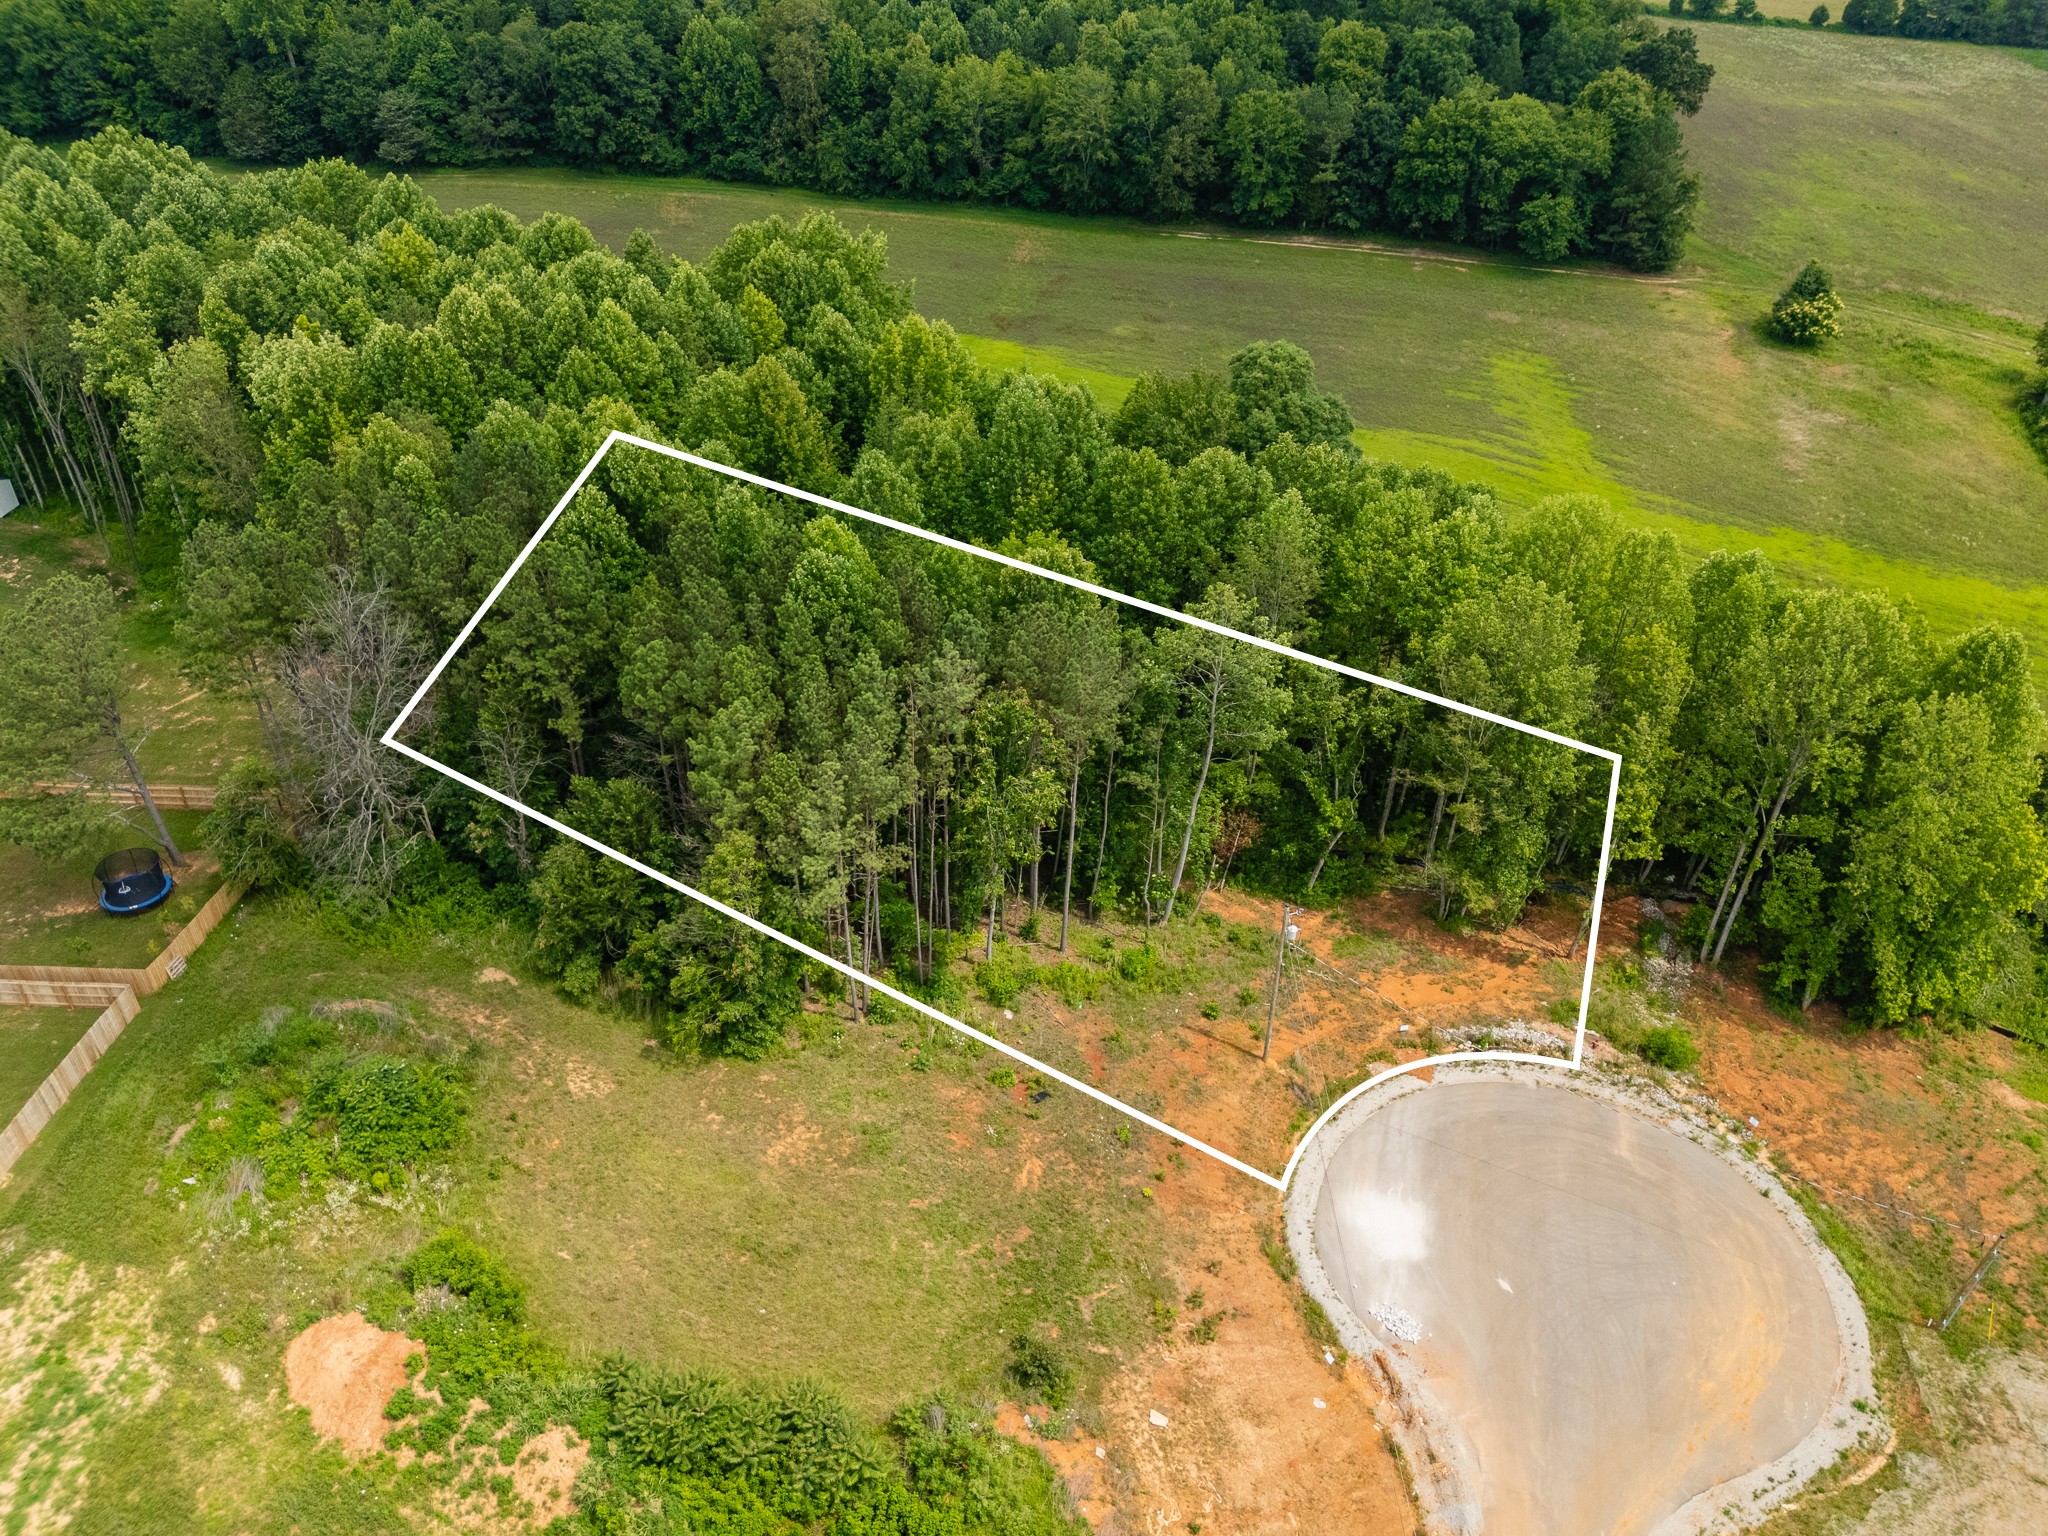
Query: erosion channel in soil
1607, 1315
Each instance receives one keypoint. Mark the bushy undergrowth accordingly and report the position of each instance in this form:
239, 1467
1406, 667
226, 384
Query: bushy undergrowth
302, 1099
691, 1454
1040, 1372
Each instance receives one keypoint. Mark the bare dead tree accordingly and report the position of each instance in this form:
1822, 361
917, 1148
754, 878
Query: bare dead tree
512, 761
349, 670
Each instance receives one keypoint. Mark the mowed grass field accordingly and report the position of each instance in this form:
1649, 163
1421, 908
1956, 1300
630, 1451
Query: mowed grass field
1890, 459
32, 1042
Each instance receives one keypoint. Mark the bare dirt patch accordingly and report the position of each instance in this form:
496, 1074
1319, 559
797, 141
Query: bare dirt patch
343, 1370
1993, 1414
546, 1471
1373, 985
1886, 1124
1263, 1436
78, 1352
585, 1081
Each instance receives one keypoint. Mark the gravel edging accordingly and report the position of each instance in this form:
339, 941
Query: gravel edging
1436, 1452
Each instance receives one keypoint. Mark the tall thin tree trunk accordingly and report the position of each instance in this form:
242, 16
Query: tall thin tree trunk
1328, 848
916, 896
1102, 841
53, 429
852, 985
1067, 885
110, 464
1763, 848
1187, 835
1693, 872
1436, 819
142, 792
1721, 904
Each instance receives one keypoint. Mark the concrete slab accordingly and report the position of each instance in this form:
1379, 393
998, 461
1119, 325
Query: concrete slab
1610, 1316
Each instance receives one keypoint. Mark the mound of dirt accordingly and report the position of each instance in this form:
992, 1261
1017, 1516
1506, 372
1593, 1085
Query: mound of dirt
343, 1370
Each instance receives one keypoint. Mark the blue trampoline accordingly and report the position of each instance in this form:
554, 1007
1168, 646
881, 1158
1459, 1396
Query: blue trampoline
131, 881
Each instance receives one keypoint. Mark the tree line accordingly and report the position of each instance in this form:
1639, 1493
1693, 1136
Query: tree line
1547, 128
338, 412
2006, 23
2009, 23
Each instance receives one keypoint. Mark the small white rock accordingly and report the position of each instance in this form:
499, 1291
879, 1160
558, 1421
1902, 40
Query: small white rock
1158, 1418
1008, 1015
1328, 1358
1101, 1454
1319, 1402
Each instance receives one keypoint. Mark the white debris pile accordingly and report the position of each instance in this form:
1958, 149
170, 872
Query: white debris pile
1667, 971
1513, 1035
1402, 1324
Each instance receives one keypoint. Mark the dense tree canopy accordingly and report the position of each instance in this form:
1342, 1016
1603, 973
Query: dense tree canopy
1542, 127
337, 413
2012, 23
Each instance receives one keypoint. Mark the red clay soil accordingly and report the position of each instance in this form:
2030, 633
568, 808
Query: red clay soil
343, 1370
1263, 1438
1926, 1124
1206, 1076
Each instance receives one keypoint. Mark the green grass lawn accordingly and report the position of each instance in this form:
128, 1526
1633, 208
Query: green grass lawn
831, 1213
1889, 459
187, 736
32, 1042
49, 909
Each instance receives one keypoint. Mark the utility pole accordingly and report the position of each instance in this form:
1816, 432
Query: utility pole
1287, 933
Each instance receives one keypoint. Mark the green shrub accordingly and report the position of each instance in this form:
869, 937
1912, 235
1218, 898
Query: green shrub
1670, 1047
2034, 396
1073, 984
802, 1446
954, 1459
468, 1351
1039, 1371
469, 1271
893, 1510
1002, 978
1145, 969
1818, 17
389, 1112
1809, 311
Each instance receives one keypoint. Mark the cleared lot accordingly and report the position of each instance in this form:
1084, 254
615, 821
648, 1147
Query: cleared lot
1611, 1317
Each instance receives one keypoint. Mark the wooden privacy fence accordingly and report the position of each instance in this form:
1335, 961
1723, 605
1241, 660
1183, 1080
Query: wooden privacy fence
121, 991
168, 797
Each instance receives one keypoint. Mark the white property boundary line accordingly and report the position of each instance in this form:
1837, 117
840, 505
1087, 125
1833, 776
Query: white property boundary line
1613, 759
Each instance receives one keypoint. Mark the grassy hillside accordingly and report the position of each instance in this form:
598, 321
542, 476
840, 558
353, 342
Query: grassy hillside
1907, 167
1891, 459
